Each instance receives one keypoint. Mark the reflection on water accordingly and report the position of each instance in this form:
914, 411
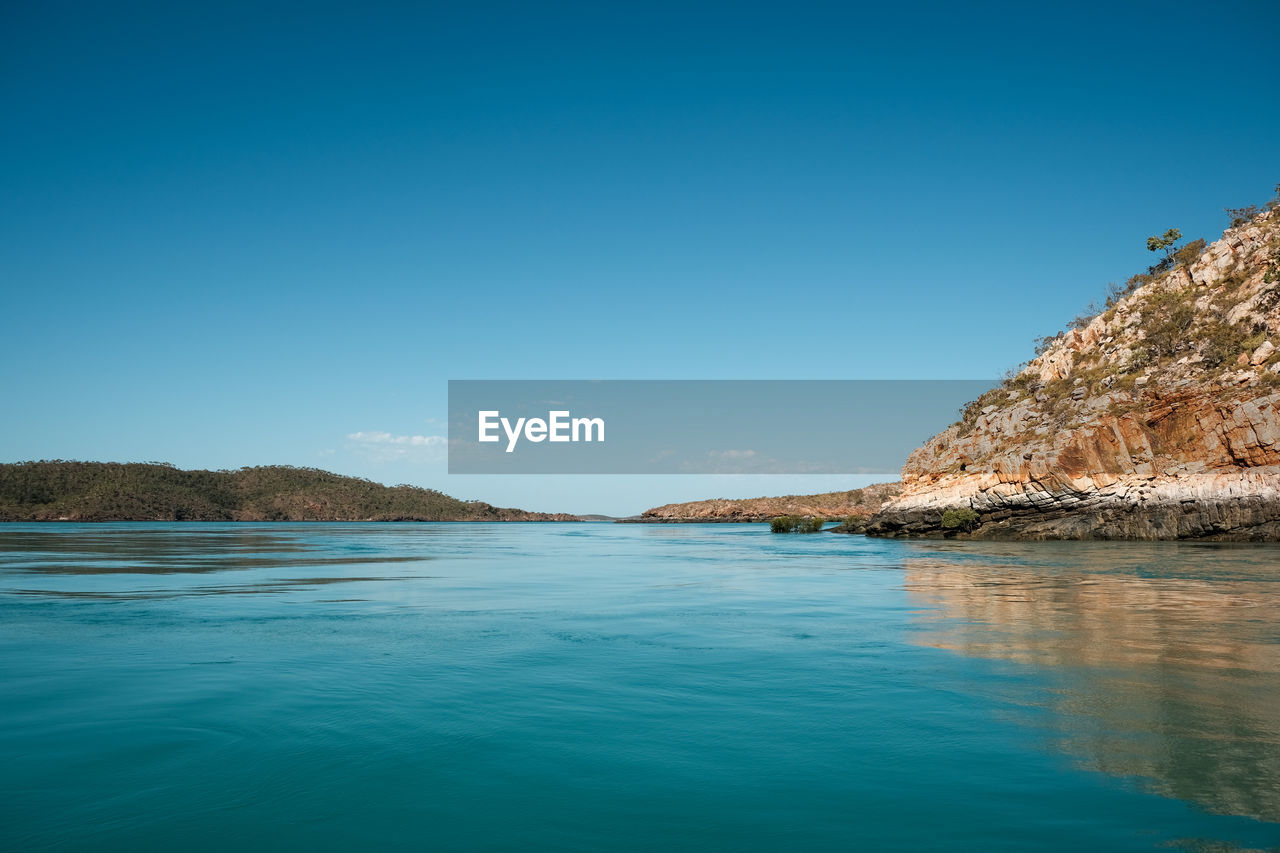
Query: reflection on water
209, 589
119, 549
1164, 657
272, 560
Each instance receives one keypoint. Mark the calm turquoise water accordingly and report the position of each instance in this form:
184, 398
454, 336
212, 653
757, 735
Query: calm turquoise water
631, 687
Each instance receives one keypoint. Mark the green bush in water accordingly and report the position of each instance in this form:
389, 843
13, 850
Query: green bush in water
796, 524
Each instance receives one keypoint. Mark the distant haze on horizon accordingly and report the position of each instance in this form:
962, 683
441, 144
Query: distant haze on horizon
240, 234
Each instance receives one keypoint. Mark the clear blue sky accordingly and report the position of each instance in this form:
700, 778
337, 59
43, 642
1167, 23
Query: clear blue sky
240, 234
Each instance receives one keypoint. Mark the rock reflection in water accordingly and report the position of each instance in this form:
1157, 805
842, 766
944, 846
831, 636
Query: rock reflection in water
1164, 658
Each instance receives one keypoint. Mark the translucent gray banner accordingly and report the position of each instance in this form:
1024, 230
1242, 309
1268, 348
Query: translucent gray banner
854, 426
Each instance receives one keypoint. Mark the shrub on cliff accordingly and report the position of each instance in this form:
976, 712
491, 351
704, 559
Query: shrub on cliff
1164, 242
1190, 252
1242, 215
1044, 343
1273, 268
962, 519
1223, 342
1168, 318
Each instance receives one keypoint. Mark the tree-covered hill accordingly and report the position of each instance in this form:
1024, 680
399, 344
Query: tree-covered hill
107, 491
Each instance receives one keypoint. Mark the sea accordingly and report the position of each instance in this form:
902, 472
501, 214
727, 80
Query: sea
620, 687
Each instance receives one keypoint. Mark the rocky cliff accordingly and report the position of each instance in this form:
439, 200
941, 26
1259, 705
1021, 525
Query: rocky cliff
832, 505
1158, 418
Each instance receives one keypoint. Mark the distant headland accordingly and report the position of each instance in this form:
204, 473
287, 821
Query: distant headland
845, 506
108, 491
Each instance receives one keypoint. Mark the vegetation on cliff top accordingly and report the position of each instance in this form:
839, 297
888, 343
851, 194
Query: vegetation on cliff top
104, 491
1164, 317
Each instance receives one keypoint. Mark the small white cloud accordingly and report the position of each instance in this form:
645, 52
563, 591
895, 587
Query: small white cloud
385, 447
731, 454
388, 438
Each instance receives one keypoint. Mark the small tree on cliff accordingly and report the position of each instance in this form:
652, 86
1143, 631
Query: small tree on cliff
1165, 241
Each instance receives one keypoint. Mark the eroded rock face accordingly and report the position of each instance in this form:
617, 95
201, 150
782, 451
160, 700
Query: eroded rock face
1159, 418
